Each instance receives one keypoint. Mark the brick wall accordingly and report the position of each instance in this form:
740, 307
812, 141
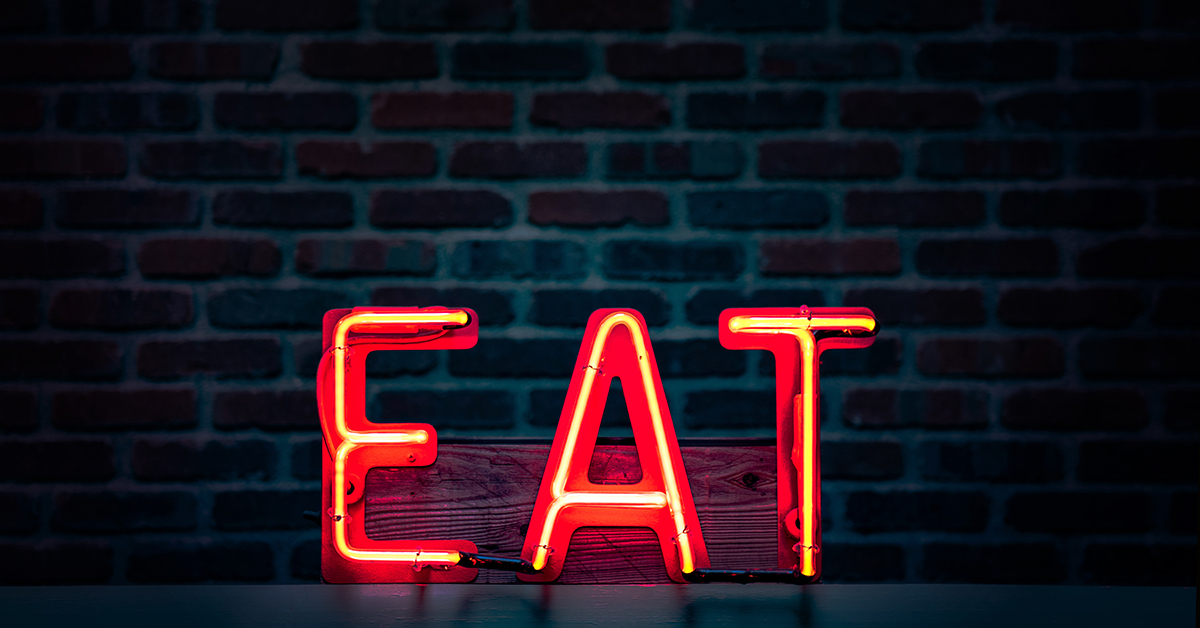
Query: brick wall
1010, 184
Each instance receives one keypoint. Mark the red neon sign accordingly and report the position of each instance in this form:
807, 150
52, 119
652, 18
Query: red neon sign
616, 344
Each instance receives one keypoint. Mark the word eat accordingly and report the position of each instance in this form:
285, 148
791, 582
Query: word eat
616, 344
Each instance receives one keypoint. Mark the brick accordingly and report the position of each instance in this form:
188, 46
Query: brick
861, 562
126, 209
493, 307
954, 159
208, 561
1173, 308
220, 159
1055, 111
433, 110
511, 61
120, 310
1177, 109
129, 16
444, 15
56, 461
1182, 516
19, 308
600, 15
178, 359
1001, 61
758, 209
954, 307
21, 111
913, 511
886, 109
1140, 158
1008, 563
285, 111
571, 308
208, 258
1028, 257
543, 358
127, 111
811, 256
910, 15
263, 510
21, 514
510, 160
56, 563
1158, 59
1079, 513
287, 15
997, 462
772, 109
646, 260
440, 209
666, 160
1137, 462
830, 62
18, 411
1139, 565
866, 408
267, 410
847, 460
369, 61
123, 512
22, 209
697, 358
64, 360
1036, 358
62, 159
1174, 207
774, 15
1179, 410
190, 460
1070, 16
729, 409
646, 61
58, 62
918, 209
446, 409
306, 459
309, 209
546, 406
306, 558
351, 160
124, 410
881, 358
828, 160
704, 308
518, 259
260, 308
192, 61
1100, 208
600, 110
1112, 308
1074, 410
1141, 258
1154, 357
343, 258
23, 16
586, 209
44, 259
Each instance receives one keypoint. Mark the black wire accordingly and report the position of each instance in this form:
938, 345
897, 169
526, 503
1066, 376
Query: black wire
746, 576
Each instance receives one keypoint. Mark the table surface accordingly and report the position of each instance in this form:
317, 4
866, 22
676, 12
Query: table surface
928, 606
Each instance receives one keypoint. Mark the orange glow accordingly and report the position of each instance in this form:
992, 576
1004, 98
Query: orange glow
797, 394
616, 344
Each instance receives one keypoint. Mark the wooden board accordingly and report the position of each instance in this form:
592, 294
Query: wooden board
485, 493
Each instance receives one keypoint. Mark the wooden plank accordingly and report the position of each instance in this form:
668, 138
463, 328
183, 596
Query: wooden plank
485, 493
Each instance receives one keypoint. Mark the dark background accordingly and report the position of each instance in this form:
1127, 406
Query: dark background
1009, 184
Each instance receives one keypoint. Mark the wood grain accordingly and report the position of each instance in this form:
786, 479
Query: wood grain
485, 493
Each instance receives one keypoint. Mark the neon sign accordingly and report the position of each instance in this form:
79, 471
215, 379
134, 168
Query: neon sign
616, 344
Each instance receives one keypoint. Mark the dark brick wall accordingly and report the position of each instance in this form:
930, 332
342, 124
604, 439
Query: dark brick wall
187, 185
